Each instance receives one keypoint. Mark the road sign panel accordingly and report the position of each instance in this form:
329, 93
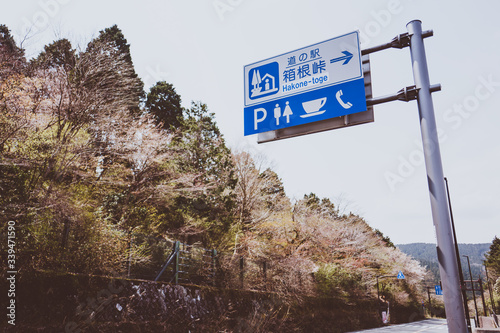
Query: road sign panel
400, 275
439, 291
311, 84
327, 124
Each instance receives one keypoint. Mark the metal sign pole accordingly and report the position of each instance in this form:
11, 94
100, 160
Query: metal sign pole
459, 265
455, 314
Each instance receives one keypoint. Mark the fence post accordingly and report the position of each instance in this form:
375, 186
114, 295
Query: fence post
264, 271
485, 309
242, 261
177, 250
130, 255
430, 304
214, 265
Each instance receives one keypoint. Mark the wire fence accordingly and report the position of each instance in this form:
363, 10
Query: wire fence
189, 264
170, 261
246, 273
177, 262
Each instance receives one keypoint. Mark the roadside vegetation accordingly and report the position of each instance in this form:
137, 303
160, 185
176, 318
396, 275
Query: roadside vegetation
89, 160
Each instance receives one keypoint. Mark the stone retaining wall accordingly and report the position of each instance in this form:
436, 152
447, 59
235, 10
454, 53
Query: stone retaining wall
77, 303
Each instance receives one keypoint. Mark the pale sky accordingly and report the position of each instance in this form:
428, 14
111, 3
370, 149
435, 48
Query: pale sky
202, 46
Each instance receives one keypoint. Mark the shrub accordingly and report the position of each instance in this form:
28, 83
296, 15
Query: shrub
334, 279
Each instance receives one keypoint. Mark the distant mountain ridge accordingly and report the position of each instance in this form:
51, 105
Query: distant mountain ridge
426, 254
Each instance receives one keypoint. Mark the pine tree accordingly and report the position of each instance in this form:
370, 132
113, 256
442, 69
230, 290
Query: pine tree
493, 256
165, 104
111, 44
12, 58
57, 54
204, 152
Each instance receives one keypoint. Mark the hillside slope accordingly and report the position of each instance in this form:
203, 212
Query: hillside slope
426, 254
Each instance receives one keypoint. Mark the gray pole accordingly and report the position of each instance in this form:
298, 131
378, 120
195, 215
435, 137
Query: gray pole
429, 295
481, 289
455, 314
476, 321
459, 265
489, 289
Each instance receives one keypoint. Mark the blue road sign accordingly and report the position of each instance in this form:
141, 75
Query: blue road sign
265, 84
401, 275
438, 290
314, 83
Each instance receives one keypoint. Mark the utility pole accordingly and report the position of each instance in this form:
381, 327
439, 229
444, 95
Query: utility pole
481, 290
473, 291
490, 289
454, 307
429, 295
459, 264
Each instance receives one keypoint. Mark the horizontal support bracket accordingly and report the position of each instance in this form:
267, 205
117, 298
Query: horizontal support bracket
406, 94
398, 42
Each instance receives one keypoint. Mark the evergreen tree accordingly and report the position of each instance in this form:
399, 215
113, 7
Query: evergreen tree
323, 206
272, 191
385, 239
165, 104
57, 54
493, 256
114, 38
12, 58
312, 201
204, 151
272, 183
111, 43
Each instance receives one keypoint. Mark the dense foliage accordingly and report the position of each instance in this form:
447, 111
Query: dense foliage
493, 264
493, 256
90, 164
